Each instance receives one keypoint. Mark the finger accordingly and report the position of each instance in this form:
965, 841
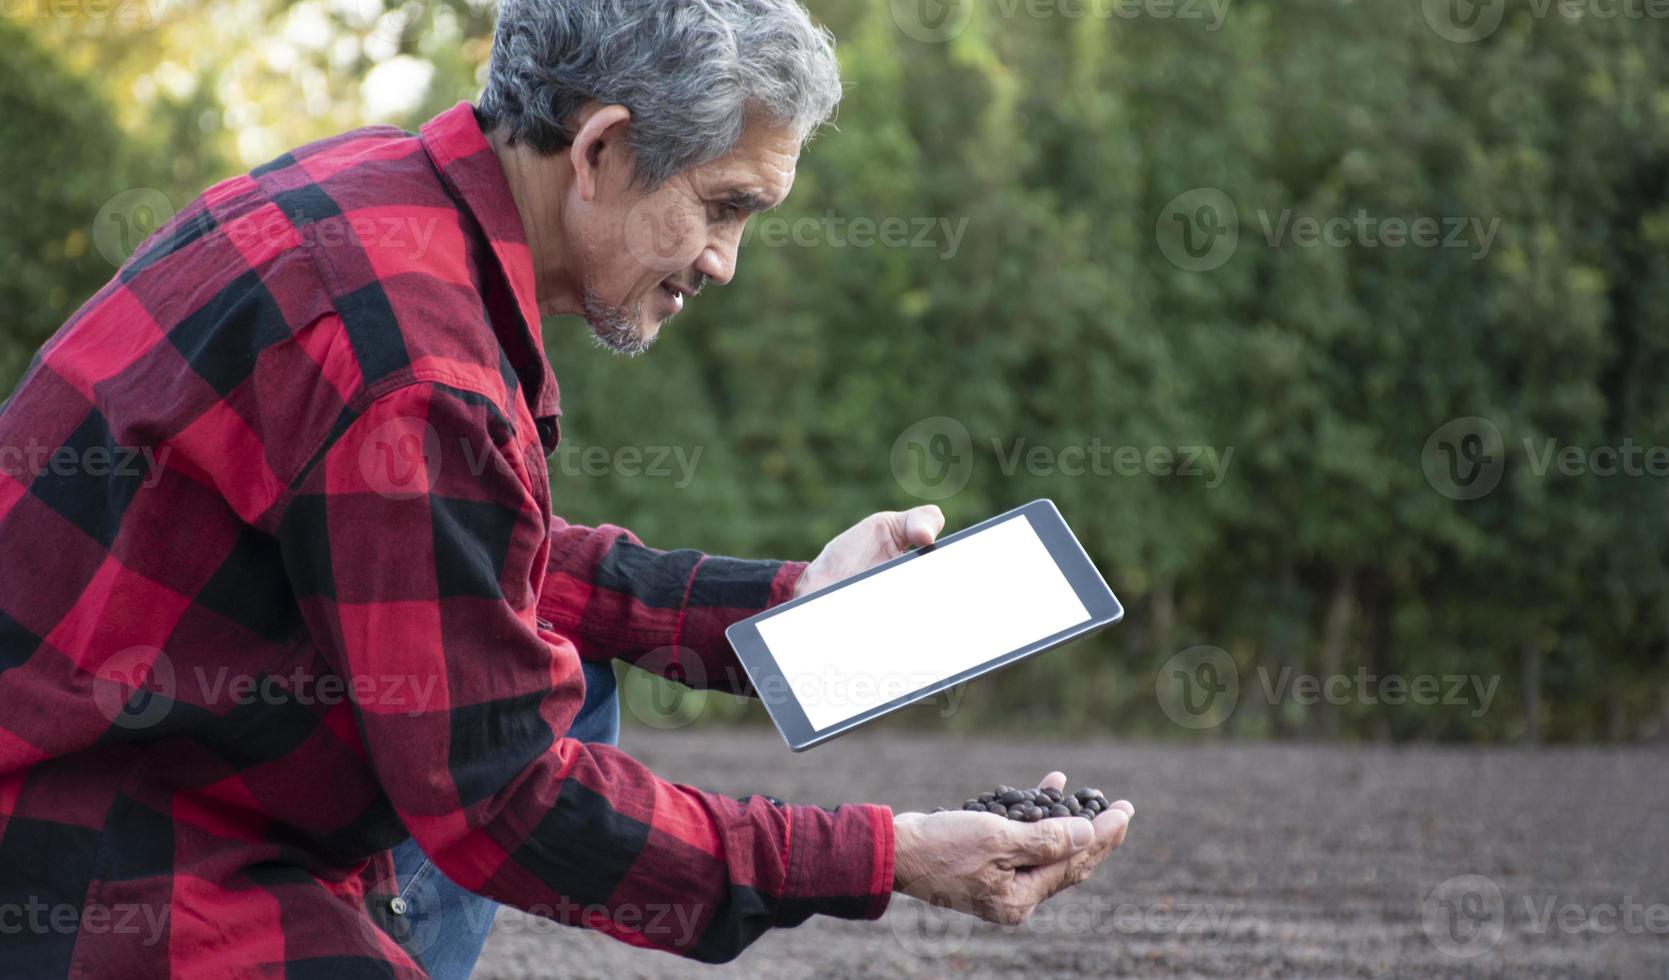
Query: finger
1110, 830
1056, 780
1032, 885
922, 525
1047, 841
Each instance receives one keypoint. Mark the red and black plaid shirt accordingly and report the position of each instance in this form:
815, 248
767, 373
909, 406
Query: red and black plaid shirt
280, 587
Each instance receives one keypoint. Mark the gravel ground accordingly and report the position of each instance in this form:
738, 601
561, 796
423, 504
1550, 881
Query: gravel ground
1242, 861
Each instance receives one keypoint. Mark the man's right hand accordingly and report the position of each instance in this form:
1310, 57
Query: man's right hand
999, 869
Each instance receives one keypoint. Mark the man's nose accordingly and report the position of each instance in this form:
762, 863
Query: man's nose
718, 260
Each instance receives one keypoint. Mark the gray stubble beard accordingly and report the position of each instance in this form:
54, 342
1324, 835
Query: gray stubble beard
614, 328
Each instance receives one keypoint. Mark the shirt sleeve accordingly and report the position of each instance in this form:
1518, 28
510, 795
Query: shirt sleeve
664, 611
416, 546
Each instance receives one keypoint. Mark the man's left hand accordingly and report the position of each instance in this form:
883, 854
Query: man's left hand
870, 542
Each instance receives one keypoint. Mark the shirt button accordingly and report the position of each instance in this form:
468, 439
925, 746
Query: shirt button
398, 906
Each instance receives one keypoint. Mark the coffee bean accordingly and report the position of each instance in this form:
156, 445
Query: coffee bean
1031, 805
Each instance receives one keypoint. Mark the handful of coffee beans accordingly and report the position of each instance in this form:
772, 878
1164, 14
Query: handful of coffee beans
1032, 805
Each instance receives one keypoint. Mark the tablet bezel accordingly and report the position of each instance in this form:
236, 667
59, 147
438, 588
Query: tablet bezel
1069, 556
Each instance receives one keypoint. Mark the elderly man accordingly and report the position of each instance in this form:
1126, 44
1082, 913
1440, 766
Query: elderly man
299, 673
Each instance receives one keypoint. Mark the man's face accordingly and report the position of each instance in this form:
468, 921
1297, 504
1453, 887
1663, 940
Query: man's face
646, 254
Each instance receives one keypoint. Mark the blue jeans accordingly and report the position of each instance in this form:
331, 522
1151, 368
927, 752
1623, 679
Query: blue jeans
446, 926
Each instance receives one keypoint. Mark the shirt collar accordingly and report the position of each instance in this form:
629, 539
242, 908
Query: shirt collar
470, 167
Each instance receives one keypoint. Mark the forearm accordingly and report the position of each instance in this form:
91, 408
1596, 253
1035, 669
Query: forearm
614, 848
665, 611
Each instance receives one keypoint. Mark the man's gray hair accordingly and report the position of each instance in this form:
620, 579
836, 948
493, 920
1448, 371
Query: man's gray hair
690, 71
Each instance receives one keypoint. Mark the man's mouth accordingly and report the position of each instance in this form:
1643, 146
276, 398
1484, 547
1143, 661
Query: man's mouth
678, 292
675, 295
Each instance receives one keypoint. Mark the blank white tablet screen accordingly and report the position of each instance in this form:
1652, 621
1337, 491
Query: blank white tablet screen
961, 605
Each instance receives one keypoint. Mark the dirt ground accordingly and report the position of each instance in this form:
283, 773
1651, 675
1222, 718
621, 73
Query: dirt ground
1242, 861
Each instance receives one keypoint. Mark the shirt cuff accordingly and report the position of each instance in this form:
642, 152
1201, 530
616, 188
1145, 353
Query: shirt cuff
840, 863
785, 581
701, 627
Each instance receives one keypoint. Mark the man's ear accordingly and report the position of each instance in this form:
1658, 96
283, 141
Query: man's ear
599, 145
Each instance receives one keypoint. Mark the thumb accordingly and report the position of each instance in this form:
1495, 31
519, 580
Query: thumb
1048, 841
922, 525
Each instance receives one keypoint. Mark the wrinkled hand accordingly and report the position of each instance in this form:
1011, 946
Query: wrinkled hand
870, 542
999, 869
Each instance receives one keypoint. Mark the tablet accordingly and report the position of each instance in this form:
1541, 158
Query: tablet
972, 602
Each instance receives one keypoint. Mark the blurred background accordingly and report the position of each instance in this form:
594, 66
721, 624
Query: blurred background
1336, 329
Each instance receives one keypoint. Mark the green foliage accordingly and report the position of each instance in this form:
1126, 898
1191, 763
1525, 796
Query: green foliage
56, 156
1057, 320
